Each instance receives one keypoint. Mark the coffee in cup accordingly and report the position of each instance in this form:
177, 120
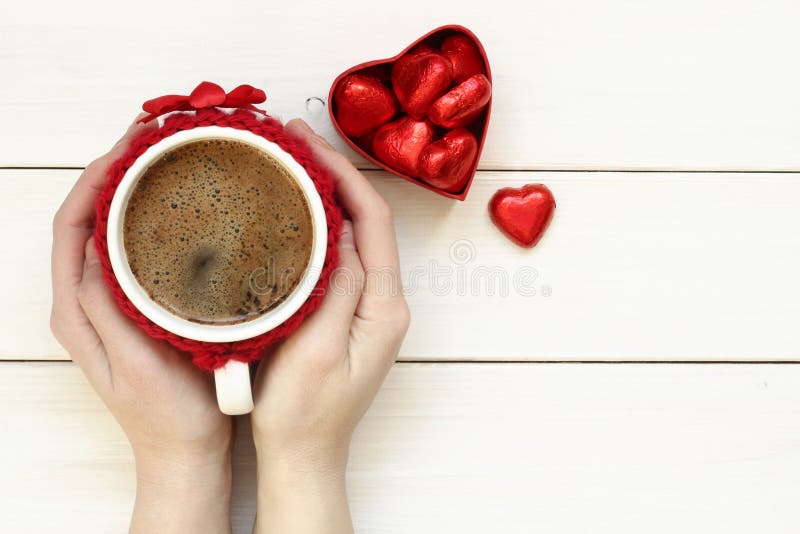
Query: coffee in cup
217, 231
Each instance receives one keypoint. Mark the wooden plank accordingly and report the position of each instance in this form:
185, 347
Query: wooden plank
466, 448
635, 266
662, 84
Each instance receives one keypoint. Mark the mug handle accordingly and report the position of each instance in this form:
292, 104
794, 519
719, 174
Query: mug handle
234, 393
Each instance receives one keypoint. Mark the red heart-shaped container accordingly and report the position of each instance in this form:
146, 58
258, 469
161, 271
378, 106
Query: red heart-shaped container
382, 69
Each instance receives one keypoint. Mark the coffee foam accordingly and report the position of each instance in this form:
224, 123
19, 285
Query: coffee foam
217, 231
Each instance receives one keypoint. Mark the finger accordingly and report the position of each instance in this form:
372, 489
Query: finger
381, 338
73, 223
75, 333
372, 221
72, 227
116, 331
360, 199
330, 324
77, 210
344, 287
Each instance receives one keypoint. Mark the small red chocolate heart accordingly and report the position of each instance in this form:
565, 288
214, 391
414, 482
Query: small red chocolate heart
362, 104
447, 163
418, 80
523, 214
462, 104
399, 144
464, 55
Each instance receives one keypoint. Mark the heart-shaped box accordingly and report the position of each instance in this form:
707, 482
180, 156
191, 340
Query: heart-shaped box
381, 69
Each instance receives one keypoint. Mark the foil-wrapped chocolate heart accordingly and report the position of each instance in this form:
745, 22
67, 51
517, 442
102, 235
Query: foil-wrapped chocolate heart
364, 103
400, 143
418, 80
464, 55
445, 163
462, 104
523, 214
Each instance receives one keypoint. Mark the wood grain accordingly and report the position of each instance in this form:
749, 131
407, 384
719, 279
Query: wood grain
640, 266
636, 266
465, 448
579, 84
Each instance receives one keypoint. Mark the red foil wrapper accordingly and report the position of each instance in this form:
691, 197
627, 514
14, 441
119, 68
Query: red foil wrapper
400, 143
363, 104
446, 163
523, 214
419, 80
462, 104
464, 55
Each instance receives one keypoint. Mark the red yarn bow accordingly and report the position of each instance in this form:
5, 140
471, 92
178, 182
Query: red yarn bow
205, 95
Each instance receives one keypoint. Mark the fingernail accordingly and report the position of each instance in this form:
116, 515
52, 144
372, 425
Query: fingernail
304, 126
120, 141
346, 237
128, 131
321, 141
299, 128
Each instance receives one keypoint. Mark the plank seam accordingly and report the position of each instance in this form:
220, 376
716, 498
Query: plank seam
568, 171
533, 362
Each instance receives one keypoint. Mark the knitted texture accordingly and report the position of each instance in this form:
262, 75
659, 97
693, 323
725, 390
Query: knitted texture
205, 355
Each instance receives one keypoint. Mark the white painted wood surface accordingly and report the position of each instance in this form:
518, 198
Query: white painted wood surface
468, 448
636, 266
579, 84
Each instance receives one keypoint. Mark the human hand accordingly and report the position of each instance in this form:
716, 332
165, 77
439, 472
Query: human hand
312, 391
165, 405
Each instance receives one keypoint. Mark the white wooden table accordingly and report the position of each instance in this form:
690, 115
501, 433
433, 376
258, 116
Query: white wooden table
646, 386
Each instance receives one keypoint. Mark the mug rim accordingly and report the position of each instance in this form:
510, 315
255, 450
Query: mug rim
215, 333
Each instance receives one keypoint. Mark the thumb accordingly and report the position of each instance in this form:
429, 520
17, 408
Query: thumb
115, 329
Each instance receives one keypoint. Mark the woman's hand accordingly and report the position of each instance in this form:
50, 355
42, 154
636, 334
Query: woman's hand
165, 405
312, 391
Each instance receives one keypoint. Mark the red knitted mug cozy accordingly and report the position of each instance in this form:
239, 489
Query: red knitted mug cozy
205, 355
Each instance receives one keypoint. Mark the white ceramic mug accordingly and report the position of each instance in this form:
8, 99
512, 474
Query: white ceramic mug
234, 393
